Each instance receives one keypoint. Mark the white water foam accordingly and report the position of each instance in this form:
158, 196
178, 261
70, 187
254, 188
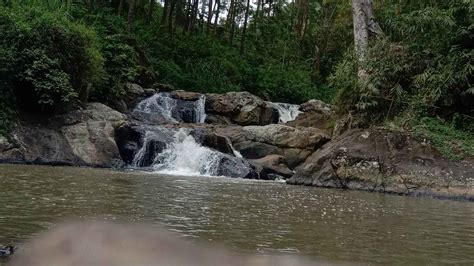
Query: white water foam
200, 109
288, 112
186, 157
162, 103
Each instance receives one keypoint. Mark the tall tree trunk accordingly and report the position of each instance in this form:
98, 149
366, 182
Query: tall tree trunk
218, 11
165, 12
131, 10
365, 26
302, 8
194, 13
179, 17
244, 30
170, 16
233, 11
209, 17
120, 7
151, 8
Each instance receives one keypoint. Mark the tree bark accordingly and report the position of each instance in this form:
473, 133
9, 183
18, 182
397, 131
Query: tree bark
209, 17
365, 26
244, 30
218, 10
120, 7
165, 12
233, 11
151, 8
131, 10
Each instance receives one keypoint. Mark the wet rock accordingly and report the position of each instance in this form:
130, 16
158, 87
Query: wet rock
212, 140
217, 119
288, 137
80, 137
314, 113
385, 161
295, 157
186, 95
256, 150
235, 167
149, 140
271, 167
242, 108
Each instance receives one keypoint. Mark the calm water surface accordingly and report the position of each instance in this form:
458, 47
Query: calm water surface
246, 216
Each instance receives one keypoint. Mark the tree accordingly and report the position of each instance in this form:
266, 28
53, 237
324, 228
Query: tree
151, 8
365, 27
244, 30
131, 10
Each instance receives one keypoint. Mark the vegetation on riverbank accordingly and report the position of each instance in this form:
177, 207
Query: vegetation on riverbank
57, 53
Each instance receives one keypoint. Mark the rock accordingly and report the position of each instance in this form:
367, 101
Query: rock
186, 95
386, 161
295, 157
212, 140
217, 119
271, 167
256, 150
288, 137
163, 87
242, 108
81, 137
144, 139
235, 167
314, 113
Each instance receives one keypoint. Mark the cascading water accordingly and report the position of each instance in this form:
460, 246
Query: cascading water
164, 108
200, 109
288, 112
184, 156
160, 103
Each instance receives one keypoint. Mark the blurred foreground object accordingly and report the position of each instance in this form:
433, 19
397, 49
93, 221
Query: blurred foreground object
6, 251
118, 244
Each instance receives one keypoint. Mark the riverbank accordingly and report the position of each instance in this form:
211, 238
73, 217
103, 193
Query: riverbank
238, 135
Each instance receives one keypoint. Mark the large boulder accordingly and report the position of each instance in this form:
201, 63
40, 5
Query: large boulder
80, 137
313, 113
256, 150
242, 108
272, 167
386, 161
288, 137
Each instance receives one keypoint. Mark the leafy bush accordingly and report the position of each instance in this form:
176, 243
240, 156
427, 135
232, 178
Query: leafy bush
52, 61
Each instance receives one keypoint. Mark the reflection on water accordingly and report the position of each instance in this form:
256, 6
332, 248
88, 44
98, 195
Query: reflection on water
247, 216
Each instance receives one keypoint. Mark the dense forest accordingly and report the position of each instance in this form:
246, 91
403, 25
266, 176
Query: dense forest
404, 64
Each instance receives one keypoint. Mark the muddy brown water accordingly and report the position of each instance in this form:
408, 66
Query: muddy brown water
244, 215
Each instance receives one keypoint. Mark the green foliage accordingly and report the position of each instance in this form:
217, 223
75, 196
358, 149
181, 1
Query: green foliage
455, 144
51, 60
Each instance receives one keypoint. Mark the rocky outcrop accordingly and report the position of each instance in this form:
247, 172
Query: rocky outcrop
386, 161
242, 108
82, 137
313, 113
288, 137
272, 167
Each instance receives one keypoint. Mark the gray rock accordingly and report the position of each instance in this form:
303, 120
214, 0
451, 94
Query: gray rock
272, 166
256, 150
288, 137
385, 161
242, 108
80, 137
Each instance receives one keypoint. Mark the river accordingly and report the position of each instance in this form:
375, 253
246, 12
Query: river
244, 215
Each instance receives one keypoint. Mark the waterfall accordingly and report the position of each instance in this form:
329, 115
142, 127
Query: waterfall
184, 156
163, 108
234, 151
200, 109
288, 112
160, 103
